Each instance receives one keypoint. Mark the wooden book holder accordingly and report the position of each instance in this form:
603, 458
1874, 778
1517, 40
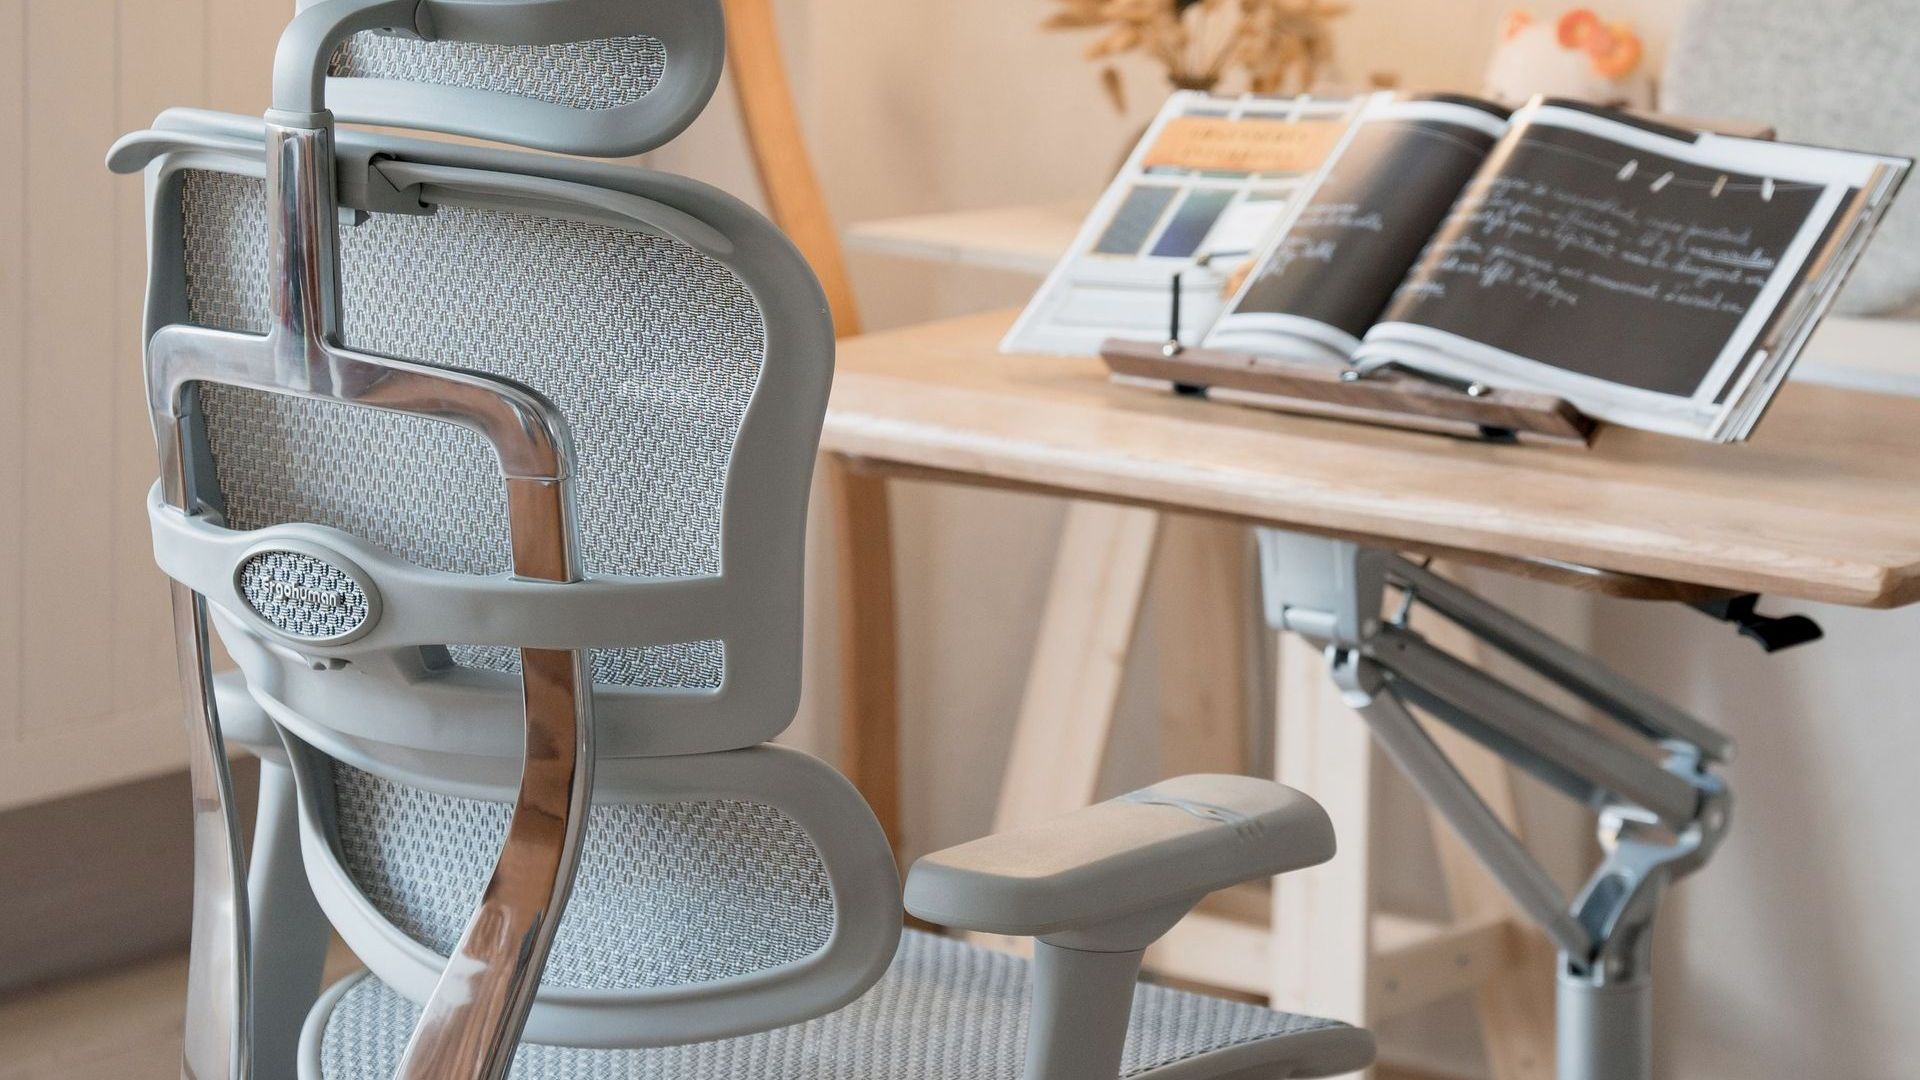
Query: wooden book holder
1391, 398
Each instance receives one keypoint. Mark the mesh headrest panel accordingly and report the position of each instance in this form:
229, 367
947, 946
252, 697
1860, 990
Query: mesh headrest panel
601, 74
650, 348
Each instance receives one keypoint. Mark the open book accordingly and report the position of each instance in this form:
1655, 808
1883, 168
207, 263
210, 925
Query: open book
1652, 276
1200, 195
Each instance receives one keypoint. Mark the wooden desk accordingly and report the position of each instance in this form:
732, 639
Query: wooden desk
1823, 505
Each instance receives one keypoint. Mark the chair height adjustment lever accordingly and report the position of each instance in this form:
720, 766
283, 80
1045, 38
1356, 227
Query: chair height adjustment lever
1772, 632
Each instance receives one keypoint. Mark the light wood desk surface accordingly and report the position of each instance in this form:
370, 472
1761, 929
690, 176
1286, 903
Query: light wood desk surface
1823, 504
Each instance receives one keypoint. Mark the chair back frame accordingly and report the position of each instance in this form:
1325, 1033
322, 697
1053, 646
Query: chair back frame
478, 1001
421, 605
473, 1019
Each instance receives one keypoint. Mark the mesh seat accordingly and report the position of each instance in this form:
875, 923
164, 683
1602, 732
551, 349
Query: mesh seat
945, 1011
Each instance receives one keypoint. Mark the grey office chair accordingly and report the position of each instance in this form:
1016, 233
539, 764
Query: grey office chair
490, 471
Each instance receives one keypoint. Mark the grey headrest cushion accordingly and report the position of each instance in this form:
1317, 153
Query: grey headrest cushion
1840, 73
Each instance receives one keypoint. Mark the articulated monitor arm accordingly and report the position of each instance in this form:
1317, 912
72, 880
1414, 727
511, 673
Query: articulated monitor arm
1661, 808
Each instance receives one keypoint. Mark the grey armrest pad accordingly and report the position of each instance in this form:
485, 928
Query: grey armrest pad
1177, 840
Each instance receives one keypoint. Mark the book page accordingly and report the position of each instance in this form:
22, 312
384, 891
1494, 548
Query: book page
1625, 266
1340, 258
1559, 257
1204, 190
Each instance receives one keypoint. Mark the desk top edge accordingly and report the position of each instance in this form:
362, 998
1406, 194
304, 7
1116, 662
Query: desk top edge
899, 398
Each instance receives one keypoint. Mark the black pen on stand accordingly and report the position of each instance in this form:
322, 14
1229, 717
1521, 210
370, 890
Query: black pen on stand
1173, 346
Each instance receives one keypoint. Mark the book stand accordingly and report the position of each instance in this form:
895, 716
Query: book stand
1394, 398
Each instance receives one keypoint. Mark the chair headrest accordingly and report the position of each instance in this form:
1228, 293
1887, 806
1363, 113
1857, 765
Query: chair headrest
599, 78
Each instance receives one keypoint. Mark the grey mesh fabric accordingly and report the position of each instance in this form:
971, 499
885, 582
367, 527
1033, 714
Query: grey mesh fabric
667, 894
1838, 73
602, 74
650, 348
944, 1011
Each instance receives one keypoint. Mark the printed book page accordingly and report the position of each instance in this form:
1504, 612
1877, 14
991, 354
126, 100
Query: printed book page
1629, 268
1199, 196
1344, 251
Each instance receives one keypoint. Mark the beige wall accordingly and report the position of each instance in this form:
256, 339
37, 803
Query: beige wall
87, 685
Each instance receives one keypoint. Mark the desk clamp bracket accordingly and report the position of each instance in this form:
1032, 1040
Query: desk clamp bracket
1661, 809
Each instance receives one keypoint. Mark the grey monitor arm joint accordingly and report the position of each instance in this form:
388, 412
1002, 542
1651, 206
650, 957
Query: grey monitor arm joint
1659, 819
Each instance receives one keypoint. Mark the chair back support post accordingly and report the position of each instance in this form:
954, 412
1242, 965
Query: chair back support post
472, 1022
219, 1020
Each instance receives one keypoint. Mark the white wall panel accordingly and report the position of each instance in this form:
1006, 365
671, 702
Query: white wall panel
87, 687
13, 306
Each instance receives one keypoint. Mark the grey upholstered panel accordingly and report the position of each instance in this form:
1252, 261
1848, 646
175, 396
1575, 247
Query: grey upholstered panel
1839, 73
649, 347
944, 1011
667, 894
602, 74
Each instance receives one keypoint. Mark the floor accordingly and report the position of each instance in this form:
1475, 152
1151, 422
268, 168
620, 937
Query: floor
125, 1025
118, 1025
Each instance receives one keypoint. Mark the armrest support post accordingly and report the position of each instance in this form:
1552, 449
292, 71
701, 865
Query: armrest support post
1082, 1001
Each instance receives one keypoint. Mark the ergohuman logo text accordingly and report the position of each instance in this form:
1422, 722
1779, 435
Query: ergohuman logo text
304, 596
287, 592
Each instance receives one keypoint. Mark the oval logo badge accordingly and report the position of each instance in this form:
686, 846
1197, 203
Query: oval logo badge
304, 596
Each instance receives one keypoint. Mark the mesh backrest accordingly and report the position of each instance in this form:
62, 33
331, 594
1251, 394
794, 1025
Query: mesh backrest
650, 348
667, 894
601, 74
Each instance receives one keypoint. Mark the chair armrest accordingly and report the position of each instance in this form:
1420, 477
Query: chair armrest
1144, 858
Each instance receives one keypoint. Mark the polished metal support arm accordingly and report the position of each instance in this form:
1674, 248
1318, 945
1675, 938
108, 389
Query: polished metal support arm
219, 1020
1572, 670
1659, 818
471, 1023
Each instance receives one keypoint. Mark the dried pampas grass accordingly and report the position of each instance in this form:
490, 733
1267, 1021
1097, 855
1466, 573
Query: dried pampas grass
1280, 45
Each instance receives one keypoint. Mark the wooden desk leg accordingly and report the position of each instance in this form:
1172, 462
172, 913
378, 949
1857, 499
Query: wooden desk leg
1203, 618
1323, 917
1515, 1002
869, 651
1079, 659
1066, 716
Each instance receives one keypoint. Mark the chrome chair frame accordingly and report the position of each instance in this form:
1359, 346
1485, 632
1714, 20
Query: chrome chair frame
472, 1022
